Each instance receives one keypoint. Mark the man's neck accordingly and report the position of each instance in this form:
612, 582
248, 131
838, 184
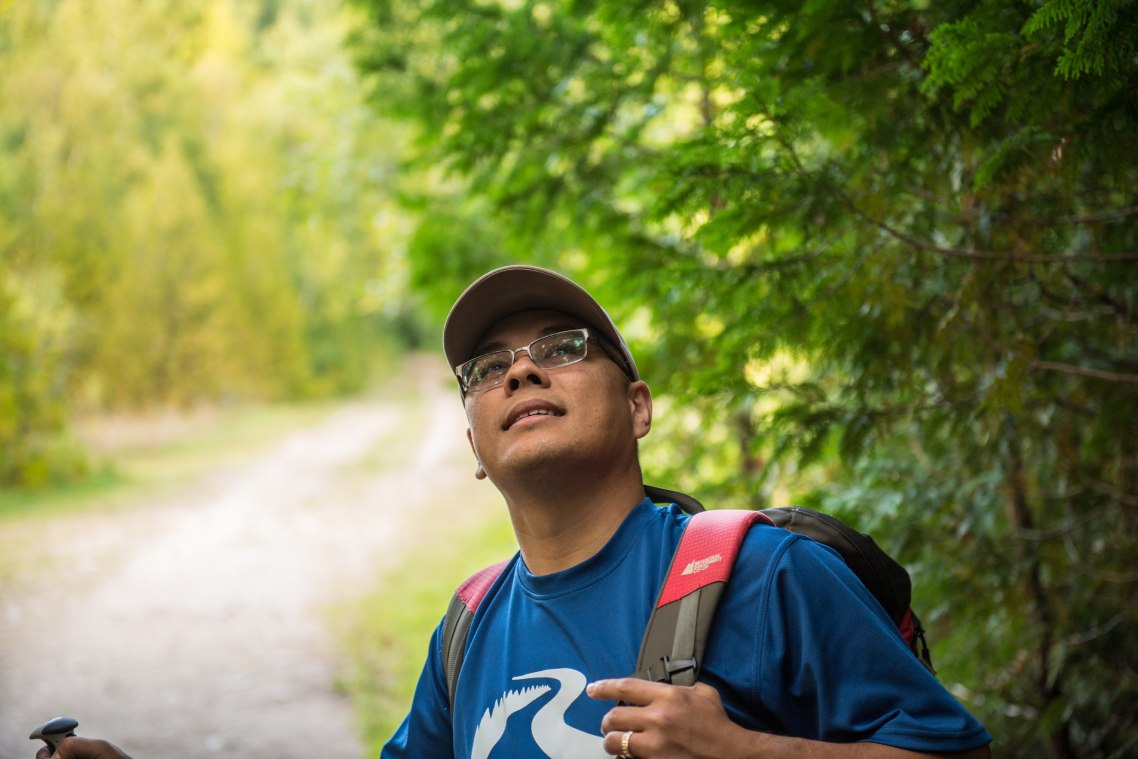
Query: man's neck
559, 528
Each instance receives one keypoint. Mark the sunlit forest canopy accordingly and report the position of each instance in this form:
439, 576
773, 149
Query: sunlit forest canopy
195, 206
880, 258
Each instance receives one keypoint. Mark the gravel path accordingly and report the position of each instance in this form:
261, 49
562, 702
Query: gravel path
195, 626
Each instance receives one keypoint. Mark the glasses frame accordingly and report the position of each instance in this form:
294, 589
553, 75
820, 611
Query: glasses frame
584, 331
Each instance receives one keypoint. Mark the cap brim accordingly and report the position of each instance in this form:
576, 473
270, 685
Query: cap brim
511, 289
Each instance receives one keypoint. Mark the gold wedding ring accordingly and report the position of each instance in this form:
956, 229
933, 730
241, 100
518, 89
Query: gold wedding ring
625, 751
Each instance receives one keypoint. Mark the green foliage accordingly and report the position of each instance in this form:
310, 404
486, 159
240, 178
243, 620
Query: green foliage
34, 445
1098, 37
879, 258
195, 206
447, 251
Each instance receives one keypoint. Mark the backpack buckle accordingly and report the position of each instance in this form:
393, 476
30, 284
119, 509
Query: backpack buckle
673, 667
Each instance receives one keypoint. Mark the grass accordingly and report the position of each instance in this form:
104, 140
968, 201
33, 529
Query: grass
384, 636
232, 439
126, 473
151, 458
103, 481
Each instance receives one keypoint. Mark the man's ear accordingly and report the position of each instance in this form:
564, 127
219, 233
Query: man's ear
479, 472
640, 401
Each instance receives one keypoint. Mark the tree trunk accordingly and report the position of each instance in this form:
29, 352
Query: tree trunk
1049, 684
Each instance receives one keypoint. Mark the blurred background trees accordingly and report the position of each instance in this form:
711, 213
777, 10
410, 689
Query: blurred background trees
195, 206
877, 258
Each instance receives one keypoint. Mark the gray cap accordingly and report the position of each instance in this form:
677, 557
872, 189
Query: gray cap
510, 289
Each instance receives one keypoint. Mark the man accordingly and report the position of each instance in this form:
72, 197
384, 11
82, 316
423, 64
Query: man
802, 660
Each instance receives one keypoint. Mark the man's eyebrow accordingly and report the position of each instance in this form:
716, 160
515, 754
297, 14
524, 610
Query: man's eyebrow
559, 328
498, 345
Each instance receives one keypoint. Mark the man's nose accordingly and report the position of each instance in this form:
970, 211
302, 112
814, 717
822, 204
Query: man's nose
524, 371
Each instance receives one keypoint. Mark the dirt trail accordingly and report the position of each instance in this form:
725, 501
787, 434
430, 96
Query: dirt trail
195, 626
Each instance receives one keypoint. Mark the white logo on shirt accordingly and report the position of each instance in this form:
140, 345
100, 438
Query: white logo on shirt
550, 731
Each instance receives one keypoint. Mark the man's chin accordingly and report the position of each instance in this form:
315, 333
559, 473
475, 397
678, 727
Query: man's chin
531, 460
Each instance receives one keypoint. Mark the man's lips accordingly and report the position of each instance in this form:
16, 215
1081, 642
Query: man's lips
530, 409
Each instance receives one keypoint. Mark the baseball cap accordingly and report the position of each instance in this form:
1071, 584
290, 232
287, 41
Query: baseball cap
506, 291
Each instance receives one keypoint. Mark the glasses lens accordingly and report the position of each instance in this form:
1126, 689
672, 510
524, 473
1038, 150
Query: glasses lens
485, 371
560, 349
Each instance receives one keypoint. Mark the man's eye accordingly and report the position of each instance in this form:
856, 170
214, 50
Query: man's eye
492, 365
566, 348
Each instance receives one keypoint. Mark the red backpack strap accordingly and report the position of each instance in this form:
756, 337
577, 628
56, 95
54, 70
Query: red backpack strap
676, 635
475, 588
456, 623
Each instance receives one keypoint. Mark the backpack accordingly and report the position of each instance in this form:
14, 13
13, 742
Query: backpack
676, 635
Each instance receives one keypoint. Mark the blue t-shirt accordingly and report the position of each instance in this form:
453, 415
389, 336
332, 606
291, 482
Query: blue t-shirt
798, 647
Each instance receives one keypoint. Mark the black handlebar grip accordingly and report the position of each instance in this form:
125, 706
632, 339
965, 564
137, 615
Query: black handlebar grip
54, 731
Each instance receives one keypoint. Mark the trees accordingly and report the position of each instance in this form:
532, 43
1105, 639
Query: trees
889, 247
190, 210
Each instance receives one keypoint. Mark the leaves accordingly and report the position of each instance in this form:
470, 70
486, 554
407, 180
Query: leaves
192, 209
925, 209
1096, 36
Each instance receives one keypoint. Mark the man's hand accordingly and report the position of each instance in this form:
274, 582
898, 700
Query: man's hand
678, 722
668, 721
83, 748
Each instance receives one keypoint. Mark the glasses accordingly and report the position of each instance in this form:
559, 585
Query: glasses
550, 352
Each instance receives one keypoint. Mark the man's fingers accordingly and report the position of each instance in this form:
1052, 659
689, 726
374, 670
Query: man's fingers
702, 689
623, 743
630, 690
83, 748
624, 718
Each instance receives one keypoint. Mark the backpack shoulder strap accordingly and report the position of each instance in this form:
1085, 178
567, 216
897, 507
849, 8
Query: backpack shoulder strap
456, 623
683, 500
676, 635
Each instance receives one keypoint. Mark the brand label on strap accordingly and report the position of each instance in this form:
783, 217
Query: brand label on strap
707, 551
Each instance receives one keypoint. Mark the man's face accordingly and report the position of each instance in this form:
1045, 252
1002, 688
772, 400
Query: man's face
563, 421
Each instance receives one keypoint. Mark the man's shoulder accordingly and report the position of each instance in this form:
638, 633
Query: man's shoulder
771, 538
763, 542
768, 549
